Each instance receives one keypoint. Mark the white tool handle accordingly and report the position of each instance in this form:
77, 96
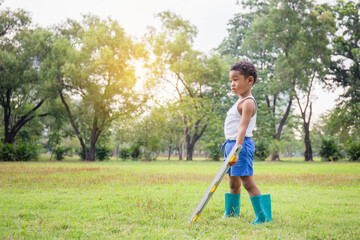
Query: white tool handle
215, 183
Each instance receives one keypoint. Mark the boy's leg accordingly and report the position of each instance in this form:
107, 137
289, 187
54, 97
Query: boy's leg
235, 184
261, 203
232, 199
250, 186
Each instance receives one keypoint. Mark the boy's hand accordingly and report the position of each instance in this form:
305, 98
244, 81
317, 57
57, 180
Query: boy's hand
233, 162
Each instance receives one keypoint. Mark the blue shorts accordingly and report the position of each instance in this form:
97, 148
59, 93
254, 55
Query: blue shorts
243, 167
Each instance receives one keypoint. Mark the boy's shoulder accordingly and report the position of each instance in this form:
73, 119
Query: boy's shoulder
249, 105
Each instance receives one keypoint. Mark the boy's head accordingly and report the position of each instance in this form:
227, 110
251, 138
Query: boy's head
246, 69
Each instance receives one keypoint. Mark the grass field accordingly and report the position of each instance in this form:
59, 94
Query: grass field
153, 200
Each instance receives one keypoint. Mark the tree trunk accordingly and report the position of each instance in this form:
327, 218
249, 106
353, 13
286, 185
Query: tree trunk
180, 149
191, 140
7, 113
169, 151
95, 132
10, 132
275, 156
283, 120
189, 151
92, 152
308, 150
306, 123
146, 151
85, 151
117, 151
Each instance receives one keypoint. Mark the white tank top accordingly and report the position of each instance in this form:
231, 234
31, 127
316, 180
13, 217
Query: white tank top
233, 119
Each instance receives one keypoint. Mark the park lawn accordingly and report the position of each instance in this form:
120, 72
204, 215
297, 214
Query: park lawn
46, 157
153, 200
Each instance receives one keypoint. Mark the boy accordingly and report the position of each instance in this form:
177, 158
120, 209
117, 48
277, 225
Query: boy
239, 124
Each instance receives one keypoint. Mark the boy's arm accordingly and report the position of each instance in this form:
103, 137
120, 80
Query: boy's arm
248, 109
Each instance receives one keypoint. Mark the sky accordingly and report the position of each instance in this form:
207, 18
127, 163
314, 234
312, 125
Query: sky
209, 16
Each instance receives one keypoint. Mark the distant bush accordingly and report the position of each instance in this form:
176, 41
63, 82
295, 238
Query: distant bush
261, 150
214, 151
329, 150
353, 150
18, 152
102, 152
26, 152
7, 152
60, 153
135, 152
125, 153
81, 153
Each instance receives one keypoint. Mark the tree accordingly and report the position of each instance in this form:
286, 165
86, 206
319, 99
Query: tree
346, 45
23, 84
273, 96
99, 72
57, 128
150, 134
199, 80
169, 116
344, 70
300, 31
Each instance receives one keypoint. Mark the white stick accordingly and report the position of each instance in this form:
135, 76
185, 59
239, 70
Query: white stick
215, 183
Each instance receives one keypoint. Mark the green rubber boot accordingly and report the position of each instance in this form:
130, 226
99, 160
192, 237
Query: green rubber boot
262, 208
232, 205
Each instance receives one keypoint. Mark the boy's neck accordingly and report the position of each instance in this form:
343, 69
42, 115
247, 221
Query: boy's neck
245, 94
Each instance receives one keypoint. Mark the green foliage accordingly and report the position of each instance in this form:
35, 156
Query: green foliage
60, 152
26, 152
330, 150
81, 153
23, 87
214, 151
261, 150
213, 138
353, 151
125, 153
295, 34
346, 49
102, 152
99, 67
342, 122
278, 37
199, 81
135, 152
344, 70
19, 151
276, 146
7, 152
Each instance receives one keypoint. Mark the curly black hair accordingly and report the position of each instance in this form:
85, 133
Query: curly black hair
245, 68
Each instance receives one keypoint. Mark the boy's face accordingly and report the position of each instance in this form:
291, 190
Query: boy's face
239, 84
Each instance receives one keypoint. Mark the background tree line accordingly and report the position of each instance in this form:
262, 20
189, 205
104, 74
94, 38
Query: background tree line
75, 87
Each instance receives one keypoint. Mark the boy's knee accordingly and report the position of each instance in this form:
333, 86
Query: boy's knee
235, 184
248, 184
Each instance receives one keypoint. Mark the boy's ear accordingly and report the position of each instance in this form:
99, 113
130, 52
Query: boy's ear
251, 79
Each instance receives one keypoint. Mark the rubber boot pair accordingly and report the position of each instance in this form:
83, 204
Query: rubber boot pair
261, 205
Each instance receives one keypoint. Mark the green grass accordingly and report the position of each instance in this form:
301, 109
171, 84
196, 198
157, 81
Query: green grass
46, 157
153, 200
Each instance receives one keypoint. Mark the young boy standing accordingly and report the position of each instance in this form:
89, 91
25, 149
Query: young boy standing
239, 124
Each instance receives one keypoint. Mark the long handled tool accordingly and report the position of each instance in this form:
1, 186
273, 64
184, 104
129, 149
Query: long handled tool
215, 183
